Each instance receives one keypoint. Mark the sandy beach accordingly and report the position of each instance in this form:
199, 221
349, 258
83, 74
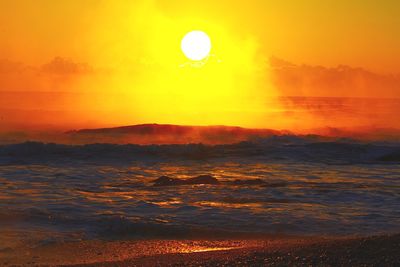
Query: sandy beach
371, 251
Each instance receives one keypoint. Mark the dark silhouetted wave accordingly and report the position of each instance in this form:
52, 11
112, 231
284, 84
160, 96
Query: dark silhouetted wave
274, 148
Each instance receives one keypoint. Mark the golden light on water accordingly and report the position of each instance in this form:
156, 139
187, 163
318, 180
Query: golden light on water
196, 249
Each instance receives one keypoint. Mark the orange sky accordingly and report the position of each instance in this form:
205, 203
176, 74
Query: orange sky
102, 63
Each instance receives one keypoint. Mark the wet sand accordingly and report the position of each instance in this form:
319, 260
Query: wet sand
371, 251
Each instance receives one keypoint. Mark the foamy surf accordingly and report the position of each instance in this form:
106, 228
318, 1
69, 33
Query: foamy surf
278, 186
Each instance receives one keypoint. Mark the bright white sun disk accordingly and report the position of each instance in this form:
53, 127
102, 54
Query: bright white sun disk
196, 45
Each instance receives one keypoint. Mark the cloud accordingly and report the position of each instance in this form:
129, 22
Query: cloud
8, 66
343, 96
58, 74
64, 66
308, 80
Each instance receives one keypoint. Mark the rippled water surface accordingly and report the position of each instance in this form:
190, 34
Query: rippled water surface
58, 201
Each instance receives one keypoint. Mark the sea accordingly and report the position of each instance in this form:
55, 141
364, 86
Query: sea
275, 186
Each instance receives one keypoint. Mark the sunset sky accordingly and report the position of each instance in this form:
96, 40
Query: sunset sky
92, 63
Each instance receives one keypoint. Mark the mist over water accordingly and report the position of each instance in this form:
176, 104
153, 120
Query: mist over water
360, 118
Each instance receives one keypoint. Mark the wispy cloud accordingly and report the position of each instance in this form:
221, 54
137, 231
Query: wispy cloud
308, 80
65, 66
57, 74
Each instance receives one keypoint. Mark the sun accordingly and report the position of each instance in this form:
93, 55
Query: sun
196, 45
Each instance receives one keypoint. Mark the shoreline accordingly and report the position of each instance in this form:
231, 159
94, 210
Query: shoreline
380, 250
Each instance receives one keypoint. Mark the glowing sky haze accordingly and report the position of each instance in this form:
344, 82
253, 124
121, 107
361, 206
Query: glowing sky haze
97, 63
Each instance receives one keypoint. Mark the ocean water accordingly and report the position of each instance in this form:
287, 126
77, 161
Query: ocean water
276, 186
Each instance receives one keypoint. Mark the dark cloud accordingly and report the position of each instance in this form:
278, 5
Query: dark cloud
307, 80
